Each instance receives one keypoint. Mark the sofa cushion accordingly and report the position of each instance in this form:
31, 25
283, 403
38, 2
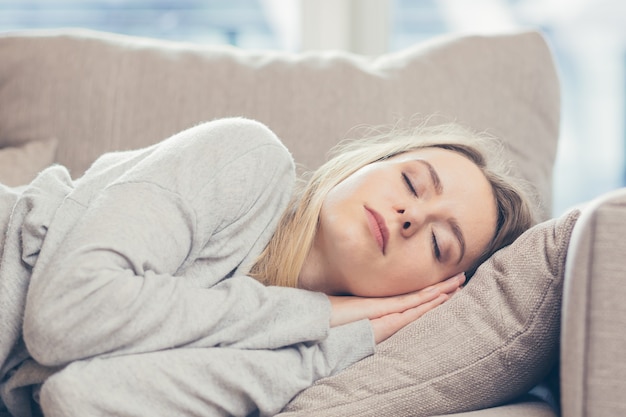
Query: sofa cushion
102, 92
20, 164
489, 344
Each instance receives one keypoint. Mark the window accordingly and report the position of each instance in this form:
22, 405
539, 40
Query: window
589, 42
238, 22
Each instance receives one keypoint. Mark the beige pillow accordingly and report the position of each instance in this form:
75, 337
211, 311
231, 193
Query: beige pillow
489, 344
19, 165
102, 92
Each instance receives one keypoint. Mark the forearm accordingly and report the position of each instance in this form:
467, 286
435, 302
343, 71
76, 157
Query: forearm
200, 382
117, 314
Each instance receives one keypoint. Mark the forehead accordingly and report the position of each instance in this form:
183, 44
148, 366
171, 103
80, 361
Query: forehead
433, 153
456, 172
447, 163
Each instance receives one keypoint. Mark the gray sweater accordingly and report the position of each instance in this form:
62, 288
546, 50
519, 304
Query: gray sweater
126, 293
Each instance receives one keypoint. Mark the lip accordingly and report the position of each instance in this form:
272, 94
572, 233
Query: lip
378, 227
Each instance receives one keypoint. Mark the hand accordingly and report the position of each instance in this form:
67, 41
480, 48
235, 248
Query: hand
386, 326
390, 314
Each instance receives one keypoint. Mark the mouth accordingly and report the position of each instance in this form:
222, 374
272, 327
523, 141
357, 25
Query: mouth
378, 228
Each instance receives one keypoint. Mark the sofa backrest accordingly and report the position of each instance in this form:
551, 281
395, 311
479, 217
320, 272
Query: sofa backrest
79, 93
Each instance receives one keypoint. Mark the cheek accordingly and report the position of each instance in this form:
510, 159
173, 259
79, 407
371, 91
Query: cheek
414, 270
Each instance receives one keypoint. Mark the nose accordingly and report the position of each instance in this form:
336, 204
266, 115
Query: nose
412, 218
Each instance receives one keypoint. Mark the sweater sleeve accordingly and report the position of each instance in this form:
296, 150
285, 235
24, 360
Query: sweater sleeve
202, 382
116, 284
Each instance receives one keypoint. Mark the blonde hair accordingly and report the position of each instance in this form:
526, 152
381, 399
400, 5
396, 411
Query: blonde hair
282, 260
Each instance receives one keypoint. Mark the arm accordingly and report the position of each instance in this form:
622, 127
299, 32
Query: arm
200, 382
209, 381
114, 284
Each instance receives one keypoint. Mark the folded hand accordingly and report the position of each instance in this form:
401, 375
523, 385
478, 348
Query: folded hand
389, 314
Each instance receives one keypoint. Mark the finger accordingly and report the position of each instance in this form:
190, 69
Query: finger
447, 286
415, 313
455, 292
451, 284
400, 303
417, 298
386, 326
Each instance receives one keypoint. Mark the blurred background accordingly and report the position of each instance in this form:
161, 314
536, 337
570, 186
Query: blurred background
588, 38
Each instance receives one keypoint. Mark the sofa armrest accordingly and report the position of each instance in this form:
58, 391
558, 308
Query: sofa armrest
593, 341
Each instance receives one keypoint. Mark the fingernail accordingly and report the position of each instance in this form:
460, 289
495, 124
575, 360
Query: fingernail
461, 277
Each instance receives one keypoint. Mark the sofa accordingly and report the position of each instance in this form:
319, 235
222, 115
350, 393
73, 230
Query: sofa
538, 331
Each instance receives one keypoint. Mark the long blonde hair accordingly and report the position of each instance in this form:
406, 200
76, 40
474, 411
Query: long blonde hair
282, 260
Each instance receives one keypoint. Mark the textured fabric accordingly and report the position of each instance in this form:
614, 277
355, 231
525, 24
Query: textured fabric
20, 164
195, 382
593, 337
521, 409
102, 92
31, 214
489, 344
8, 198
148, 252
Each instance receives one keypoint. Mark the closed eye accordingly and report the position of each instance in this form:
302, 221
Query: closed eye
409, 184
436, 249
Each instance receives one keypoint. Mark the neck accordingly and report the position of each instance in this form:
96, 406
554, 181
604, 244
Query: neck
312, 276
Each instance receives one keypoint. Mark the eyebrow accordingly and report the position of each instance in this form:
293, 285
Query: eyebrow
452, 222
433, 176
456, 229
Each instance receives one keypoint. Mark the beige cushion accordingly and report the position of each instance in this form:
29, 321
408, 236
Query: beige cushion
489, 344
103, 92
520, 409
20, 164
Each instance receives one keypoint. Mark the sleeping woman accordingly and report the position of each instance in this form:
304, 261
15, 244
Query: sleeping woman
197, 277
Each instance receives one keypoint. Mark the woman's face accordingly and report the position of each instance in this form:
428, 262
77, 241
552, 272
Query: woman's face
400, 225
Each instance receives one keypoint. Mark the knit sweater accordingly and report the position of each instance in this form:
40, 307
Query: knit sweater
129, 285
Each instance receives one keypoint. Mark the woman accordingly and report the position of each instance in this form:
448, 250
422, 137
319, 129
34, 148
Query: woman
184, 279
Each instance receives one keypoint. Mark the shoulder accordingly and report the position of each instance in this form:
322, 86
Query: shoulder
236, 164
240, 152
230, 138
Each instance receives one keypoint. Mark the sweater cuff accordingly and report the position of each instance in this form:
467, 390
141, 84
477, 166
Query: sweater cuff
348, 344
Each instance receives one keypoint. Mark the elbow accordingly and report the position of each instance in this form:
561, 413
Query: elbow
51, 324
45, 342
75, 320
58, 314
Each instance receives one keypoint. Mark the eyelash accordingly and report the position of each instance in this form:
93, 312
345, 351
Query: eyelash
411, 188
409, 184
436, 247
